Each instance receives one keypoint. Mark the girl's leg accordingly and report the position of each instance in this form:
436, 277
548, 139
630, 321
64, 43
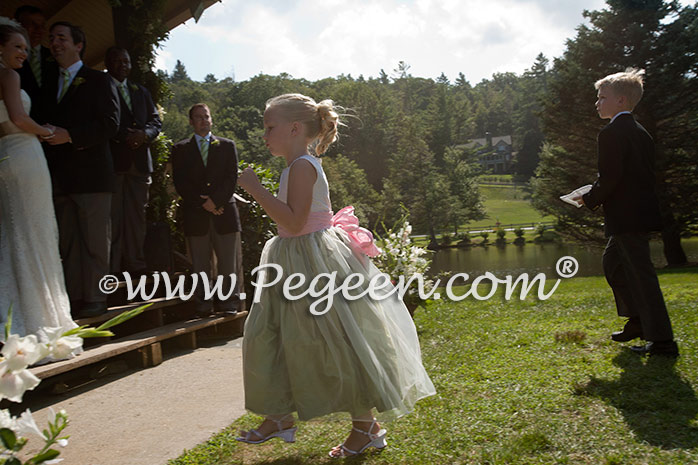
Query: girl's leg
367, 427
270, 425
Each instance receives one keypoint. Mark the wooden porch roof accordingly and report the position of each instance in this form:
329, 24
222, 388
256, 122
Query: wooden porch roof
95, 18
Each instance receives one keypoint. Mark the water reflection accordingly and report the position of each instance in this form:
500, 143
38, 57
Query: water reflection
536, 258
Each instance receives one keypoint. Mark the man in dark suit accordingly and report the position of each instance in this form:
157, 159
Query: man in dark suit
204, 170
140, 124
35, 69
83, 104
625, 188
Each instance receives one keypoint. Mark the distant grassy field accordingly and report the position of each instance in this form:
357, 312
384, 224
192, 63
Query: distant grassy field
508, 205
524, 383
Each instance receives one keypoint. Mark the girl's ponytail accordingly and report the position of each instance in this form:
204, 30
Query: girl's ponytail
329, 120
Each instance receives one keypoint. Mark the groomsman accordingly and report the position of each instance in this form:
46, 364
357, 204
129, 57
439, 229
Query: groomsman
83, 104
204, 170
140, 124
35, 69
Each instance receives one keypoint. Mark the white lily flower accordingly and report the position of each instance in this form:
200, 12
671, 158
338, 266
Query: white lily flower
14, 384
6, 420
62, 442
61, 346
53, 462
20, 352
26, 425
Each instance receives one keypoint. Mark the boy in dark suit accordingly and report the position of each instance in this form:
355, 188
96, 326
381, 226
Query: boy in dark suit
204, 170
140, 124
625, 188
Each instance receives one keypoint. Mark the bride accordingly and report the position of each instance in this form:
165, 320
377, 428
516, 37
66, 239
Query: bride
31, 275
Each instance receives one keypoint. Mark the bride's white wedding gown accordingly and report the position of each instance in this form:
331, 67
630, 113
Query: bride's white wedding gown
31, 275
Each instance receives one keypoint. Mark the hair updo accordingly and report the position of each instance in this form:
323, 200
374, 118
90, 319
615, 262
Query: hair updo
321, 120
8, 28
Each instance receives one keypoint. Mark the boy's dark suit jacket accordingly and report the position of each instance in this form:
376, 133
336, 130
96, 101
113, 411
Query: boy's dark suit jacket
625, 184
143, 116
32, 87
90, 112
217, 180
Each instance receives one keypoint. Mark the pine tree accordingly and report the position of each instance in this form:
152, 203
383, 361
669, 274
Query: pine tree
179, 73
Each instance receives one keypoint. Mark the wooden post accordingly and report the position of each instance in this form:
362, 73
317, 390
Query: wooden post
187, 340
151, 355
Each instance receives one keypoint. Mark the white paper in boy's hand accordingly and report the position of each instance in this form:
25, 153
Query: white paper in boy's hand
575, 193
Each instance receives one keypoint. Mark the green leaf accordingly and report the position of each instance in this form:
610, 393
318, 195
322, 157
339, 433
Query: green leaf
8, 323
9, 440
74, 331
92, 332
123, 317
41, 458
13, 461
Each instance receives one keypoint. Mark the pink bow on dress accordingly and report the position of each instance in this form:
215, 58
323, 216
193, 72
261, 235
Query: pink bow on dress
360, 237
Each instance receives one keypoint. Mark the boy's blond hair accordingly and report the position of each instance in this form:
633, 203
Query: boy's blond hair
629, 84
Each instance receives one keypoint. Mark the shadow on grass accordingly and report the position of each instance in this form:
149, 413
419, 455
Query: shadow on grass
655, 401
303, 460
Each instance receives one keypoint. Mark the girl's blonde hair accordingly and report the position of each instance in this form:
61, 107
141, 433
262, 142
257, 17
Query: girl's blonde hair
629, 83
321, 120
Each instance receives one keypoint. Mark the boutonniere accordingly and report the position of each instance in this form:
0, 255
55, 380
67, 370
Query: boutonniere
133, 87
50, 59
77, 81
215, 142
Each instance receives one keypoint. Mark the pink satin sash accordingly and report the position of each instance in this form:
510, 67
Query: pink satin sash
317, 221
361, 238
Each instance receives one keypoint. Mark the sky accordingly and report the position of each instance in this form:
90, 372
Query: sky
315, 39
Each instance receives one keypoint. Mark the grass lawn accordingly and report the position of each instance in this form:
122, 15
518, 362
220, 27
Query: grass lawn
509, 205
525, 382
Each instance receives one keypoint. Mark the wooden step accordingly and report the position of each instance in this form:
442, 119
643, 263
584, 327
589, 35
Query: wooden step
147, 342
157, 304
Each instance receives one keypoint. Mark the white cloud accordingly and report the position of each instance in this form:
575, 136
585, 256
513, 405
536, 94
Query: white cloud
164, 60
314, 39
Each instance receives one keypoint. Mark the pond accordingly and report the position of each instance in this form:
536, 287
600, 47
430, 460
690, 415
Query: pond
536, 258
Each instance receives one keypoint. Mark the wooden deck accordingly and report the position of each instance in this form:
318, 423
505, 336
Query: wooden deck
147, 343
142, 337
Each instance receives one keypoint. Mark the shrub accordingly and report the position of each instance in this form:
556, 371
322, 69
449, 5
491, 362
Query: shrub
446, 239
540, 230
464, 239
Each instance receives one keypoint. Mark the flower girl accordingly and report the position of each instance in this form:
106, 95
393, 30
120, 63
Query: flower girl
359, 355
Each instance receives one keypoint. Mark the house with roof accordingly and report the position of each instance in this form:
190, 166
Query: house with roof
496, 153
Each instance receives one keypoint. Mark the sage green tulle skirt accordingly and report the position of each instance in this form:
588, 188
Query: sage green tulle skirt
360, 355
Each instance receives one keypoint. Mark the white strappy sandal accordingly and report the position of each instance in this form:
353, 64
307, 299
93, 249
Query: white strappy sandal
377, 440
288, 434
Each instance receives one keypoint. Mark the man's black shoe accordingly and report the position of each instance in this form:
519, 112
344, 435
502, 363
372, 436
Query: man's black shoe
203, 312
631, 330
226, 312
90, 309
663, 348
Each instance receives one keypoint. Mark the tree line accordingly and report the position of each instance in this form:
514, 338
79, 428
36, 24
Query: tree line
404, 140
